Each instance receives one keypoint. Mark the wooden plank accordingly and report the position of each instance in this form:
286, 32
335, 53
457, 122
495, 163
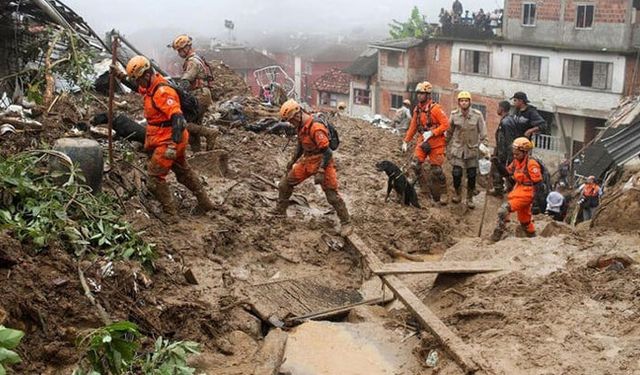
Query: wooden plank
339, 310
462, 353
437, 267
271, 355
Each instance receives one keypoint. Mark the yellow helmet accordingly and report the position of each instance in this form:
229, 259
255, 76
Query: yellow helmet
406, 101
137, 66
181, 41
289, 109
522, 144
464, 95
341, 105
424, 87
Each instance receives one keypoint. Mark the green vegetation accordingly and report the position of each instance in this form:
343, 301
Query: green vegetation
9, 339
416, 26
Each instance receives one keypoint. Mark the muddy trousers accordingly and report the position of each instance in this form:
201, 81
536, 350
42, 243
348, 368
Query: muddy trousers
196, 132
437, 182
187, 177
471, 179
285, 190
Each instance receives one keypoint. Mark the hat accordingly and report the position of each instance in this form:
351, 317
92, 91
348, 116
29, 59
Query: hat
520, 95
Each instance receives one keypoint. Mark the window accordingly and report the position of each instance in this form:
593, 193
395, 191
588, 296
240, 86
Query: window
474, 62
482, 108
529, 14
529, 68
396, 101
361, 97
325, 98
592, 74
584, 19
435, 96
307, 69
436, 55
394, 59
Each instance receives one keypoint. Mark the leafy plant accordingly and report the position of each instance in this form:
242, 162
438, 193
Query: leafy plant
170, 358
37, 206
110, 349
113, 349
415, 26
9, 339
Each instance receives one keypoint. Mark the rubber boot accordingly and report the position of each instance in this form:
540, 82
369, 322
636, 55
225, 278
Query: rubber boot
211, 134
498, 232
457, 198
161, 191
470, 203
444, 197
341, 210
195, 131
284, 193
188, 178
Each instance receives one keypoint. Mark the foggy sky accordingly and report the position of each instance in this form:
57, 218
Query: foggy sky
205, 18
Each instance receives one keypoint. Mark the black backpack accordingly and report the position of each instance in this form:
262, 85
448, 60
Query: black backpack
334, 139
541, 189
188, 102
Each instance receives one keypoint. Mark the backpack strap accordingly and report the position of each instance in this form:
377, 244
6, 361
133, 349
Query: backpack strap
205, 65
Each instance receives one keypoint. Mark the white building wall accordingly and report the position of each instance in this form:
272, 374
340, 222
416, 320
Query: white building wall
357, 110
546, 96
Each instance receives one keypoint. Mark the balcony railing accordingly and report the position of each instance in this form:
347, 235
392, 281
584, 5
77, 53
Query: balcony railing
548, 143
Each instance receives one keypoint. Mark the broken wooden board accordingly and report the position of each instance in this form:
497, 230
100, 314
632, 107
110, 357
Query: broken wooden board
463, 354
437, 267
339, 310
298, 297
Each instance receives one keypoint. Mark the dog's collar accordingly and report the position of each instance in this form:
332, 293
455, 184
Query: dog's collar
398, 176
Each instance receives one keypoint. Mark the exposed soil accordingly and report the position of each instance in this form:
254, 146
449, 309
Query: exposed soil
549, 312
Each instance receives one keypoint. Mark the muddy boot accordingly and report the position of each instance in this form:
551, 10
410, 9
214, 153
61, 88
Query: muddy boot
195, 131
211, 134
470, 203
188, 178
444, 197
497, 233
341, 210
457, 198
161, 191
284, 193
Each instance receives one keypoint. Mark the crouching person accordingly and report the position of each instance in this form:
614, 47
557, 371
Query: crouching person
525, 172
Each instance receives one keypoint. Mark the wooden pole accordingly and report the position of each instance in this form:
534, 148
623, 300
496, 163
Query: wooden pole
112, 85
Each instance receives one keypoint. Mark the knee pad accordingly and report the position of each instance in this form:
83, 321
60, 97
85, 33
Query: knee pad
457, 172
504, 210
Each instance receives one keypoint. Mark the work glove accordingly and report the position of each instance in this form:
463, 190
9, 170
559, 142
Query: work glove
171, 153
404, 146
178, 123
426, 135
117, 72
318, 179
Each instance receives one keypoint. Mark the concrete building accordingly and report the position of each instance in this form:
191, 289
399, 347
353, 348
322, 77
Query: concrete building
332, 88
401, 65
363, 88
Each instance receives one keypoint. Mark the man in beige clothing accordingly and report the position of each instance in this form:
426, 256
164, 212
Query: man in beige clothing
196, 78
466, 139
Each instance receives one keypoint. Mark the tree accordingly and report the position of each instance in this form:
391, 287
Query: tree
416, 26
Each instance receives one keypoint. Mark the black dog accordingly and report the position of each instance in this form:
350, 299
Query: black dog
398, 182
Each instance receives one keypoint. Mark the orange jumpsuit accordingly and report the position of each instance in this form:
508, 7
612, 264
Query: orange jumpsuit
521, 197
314, 139
158, 138
439, 125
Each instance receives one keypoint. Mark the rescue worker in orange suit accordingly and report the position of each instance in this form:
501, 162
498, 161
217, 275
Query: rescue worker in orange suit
526, 173
589, 198
166, 137
196, 78
312, 157
430, 122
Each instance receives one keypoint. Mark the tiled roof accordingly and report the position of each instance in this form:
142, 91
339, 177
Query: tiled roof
335, 81
240, 58
403, 44
365, 65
